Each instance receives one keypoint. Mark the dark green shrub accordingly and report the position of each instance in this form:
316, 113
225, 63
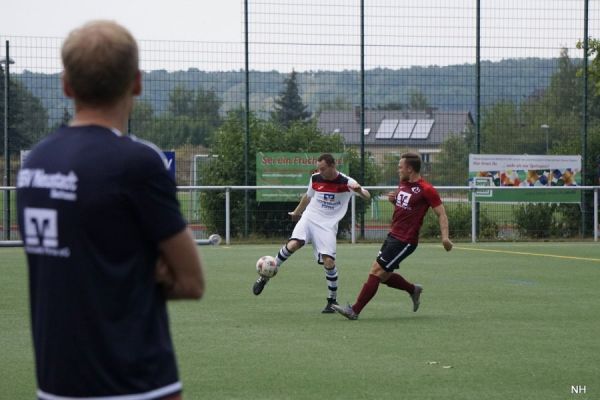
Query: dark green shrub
535, 220
459, 219
567, 220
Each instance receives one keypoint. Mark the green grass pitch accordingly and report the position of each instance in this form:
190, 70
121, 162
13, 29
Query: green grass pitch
497, 321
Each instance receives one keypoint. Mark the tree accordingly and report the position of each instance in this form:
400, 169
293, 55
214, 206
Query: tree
28, 119
192, 119
64, 120
563, 95
394, 106
181, 102
594, 68
289, 106
337, 104
141, 118
418, 101
507, 128
451, 166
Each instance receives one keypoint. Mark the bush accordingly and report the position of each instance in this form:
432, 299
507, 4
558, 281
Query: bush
567, 220
459, 220
540, 220
535, 220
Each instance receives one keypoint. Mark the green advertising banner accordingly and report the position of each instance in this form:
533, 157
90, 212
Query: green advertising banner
290, 169
525, 171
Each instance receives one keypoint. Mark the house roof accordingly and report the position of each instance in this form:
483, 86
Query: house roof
396, 127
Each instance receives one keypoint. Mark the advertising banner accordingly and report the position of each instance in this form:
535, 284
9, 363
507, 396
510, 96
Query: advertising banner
495, 170
290, 169
170, 156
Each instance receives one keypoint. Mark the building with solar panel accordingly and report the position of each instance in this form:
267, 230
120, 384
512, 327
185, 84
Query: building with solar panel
397, 131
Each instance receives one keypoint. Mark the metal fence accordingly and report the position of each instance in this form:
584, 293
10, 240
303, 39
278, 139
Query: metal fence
509, 221
442, 78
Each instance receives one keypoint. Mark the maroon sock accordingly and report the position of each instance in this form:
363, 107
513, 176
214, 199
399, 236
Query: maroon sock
366, 294
397, 281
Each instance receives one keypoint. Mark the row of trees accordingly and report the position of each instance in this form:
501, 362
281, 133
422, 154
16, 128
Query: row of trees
28, 117
288, 129
193, 118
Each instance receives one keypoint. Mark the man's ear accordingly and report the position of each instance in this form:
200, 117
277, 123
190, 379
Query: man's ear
67, 90
137, 84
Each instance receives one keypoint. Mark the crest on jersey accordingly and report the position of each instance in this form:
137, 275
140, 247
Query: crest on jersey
415, 189
402, 199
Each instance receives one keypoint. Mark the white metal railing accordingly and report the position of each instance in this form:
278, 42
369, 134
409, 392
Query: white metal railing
471, 189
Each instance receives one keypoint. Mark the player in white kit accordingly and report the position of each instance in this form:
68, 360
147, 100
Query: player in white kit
319, 212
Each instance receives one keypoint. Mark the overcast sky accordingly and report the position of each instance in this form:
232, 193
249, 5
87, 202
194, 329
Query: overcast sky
210, 20
305, 34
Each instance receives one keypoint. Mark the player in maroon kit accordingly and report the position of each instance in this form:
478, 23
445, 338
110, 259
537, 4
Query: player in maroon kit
412, 200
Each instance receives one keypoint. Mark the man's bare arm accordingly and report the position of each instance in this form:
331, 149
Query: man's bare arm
360, 191
180, 268
300, 208
440, 211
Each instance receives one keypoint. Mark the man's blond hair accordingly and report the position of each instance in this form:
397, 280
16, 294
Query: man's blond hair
100, 61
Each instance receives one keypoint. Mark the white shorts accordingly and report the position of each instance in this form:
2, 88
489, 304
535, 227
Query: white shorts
322, 236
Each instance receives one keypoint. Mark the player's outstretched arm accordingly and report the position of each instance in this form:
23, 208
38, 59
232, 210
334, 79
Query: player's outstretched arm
180, 267
360, 191
440, 211
300, 208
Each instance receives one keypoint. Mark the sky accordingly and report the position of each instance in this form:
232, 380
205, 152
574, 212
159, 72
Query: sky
210, 20
305, 35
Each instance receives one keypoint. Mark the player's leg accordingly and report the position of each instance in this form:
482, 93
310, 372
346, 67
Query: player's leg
288, 249
324, 246
331, 277
391, 253
393, 279
367, 292
397, 281
300, 235
297, 240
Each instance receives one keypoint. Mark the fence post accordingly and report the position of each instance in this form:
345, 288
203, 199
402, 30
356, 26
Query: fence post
362, 117
6, 178
247, 117
595, 214
473, 216
353, 220
227, 216
584, 129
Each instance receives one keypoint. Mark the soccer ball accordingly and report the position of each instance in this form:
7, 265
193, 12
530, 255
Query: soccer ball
266, 266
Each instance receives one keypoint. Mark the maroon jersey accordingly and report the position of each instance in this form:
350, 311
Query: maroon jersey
413, 199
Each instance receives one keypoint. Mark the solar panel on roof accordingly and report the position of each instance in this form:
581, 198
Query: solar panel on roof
386, 129
422, 129
404, 128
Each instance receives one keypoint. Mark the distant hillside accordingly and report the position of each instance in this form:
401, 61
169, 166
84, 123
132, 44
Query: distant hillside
448, 88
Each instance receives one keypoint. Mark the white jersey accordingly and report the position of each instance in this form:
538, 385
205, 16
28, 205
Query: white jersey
329, 199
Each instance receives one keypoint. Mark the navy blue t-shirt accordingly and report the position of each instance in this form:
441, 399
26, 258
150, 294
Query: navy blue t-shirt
93, 207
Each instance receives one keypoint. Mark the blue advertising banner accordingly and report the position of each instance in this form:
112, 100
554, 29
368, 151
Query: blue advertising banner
170, 155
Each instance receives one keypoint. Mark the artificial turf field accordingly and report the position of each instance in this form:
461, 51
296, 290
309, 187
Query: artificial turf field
497, 321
